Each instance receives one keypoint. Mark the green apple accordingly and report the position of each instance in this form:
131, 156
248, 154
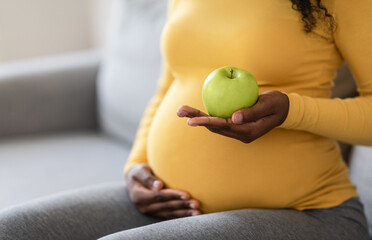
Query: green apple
227, 90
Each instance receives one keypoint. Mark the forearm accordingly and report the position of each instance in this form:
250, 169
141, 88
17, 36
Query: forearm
348, 120
138, 153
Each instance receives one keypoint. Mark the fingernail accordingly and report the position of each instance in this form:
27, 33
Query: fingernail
156, 184
238, 118
182, 114
192, 205
191, 124
183, 197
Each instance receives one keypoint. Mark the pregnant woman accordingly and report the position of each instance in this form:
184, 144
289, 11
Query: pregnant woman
273, 171
277, 160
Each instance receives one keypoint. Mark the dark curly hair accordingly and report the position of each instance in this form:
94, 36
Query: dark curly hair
313, 12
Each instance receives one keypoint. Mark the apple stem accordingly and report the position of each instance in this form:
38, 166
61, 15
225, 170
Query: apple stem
232, 71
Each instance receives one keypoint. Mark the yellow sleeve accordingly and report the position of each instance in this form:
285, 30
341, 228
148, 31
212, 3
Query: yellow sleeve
138, 153
348, 120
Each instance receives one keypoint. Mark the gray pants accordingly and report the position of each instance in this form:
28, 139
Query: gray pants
103, 210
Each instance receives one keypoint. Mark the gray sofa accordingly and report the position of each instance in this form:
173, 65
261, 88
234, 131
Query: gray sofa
68, 121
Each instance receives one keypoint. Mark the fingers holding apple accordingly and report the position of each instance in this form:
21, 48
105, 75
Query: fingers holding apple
230, 96
271, 104
246, 124
186, 111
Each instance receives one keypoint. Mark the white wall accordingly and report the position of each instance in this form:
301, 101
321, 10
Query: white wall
32, 28
100, 15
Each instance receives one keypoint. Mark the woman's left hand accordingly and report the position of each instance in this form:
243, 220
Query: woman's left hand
247, 124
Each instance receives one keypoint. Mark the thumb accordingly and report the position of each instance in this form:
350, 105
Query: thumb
261, 109
147, 178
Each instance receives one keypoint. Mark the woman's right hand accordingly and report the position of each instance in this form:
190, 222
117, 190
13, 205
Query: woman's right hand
148, 193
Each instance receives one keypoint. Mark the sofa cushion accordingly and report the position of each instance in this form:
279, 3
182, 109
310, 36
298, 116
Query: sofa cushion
360, 174
131, 65
31, 167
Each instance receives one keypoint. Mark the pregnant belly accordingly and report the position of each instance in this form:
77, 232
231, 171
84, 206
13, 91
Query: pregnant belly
225, 174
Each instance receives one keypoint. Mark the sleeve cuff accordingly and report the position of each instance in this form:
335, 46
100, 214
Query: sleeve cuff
295, 113
132, 162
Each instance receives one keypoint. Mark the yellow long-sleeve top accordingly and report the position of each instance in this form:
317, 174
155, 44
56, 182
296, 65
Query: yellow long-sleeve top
297, 165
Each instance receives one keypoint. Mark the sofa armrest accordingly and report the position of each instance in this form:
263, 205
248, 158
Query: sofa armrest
49, 94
